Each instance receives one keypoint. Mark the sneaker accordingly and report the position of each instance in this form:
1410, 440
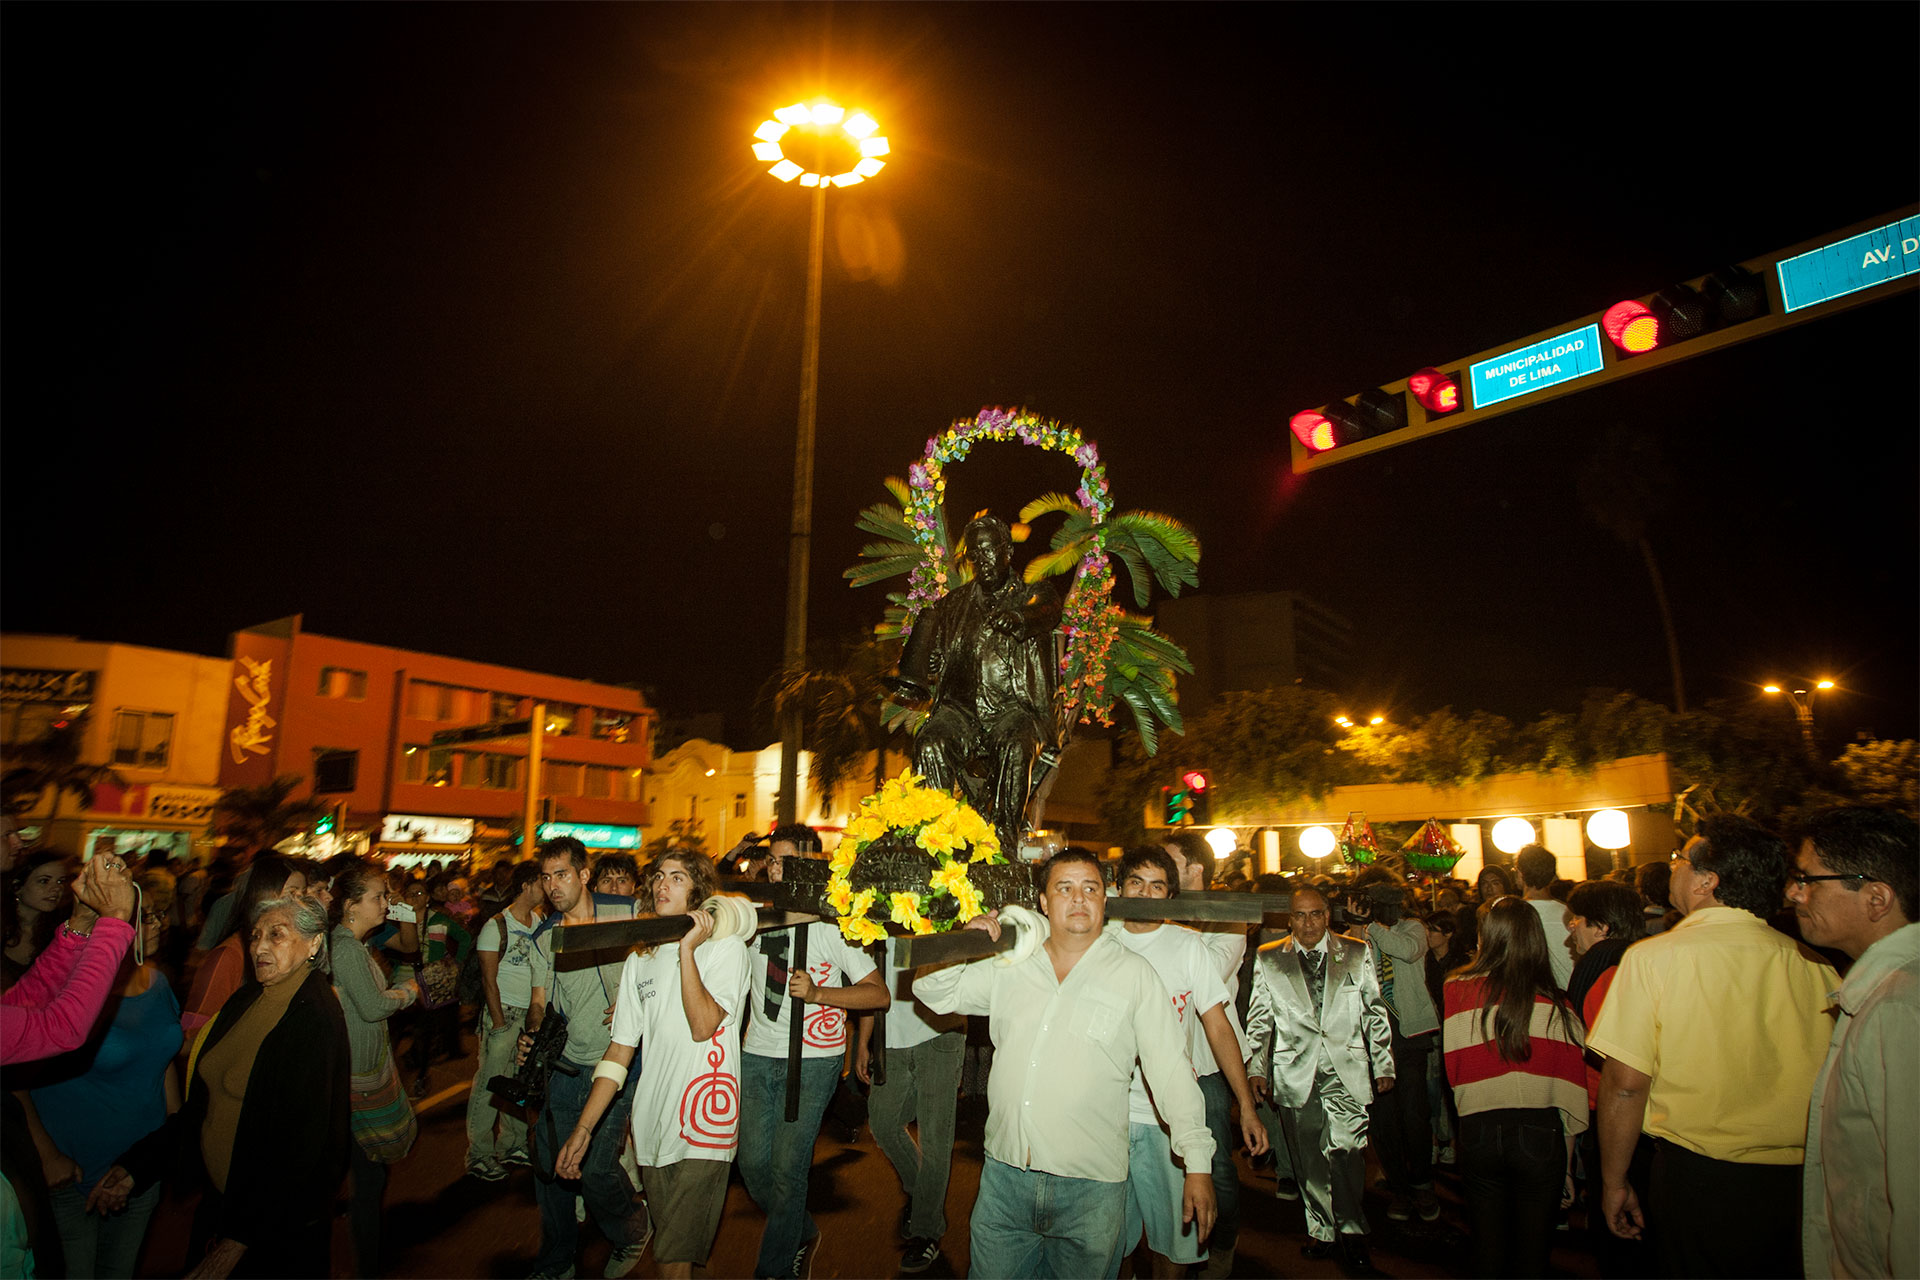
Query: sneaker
565, 1273
418, 1088
623, 1260
579, 1208
1426, 1204
1287, 1189
514, 1159
1443, 1155
919, 1255
1399, 1209
803, 1258
487, 1170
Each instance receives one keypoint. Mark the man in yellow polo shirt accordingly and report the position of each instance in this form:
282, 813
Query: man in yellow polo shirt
1713, 1033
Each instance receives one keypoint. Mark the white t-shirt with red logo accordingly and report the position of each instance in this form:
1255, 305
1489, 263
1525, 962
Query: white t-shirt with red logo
686, 1100
831, 960
1191, 976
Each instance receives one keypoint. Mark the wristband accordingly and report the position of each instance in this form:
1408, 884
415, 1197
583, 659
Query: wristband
611, 1071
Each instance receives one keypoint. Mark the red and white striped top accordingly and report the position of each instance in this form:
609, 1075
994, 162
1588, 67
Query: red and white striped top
1554, 1075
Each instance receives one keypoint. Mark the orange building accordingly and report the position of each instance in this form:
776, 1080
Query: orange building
358, 723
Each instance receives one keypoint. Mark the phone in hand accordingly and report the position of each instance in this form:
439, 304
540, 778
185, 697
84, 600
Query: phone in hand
401, 913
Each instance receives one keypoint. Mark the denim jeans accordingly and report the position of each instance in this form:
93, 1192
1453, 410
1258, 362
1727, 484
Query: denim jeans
1513, 1163
1028, 1223
602, 1181
775, 1157
1226, 1178
921, 1087
108, 1246
484, 1109
1400, 1122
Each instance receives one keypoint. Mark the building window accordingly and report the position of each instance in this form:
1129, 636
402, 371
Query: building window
440, 764
429, 701
502, 773
343, 682
561, 717
739, 806
560, 779
141, 738
504, 706
31, 721
600, 781
413, 764
613, 726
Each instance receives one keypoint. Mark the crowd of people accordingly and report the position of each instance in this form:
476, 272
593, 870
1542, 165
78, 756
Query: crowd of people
1668, 1057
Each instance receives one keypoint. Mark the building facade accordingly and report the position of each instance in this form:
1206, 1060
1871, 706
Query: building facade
153, 716
1261, 640
392, 735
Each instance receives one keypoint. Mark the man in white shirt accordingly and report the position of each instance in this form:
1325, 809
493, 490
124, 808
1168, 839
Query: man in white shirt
775, 1154
1199, 999
1537, 870
924, 1053
685, 1002
505, 947
1070, 1018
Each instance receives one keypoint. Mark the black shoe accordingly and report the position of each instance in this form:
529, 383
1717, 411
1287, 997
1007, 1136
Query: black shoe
919, 1255
1318, 1249
1353, 1257
1287, 1189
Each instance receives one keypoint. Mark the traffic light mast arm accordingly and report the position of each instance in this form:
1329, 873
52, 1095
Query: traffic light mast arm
1421, 423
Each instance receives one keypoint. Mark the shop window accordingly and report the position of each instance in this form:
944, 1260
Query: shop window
141, 739
413, 764
612, 726
32, 721
560, 779
335, 771
343, 682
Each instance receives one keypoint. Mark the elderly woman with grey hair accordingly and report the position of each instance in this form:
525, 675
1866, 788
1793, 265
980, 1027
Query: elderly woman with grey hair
266, 1108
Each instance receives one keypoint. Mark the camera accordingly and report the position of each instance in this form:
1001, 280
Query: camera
528, 1087
401, 913
1383, 904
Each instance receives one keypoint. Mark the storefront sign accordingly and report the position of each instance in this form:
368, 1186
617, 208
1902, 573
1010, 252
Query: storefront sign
593, 835
22, 684
182, 804
408, 828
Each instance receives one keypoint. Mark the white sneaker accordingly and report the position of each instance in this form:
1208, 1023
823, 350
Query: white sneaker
623, 1260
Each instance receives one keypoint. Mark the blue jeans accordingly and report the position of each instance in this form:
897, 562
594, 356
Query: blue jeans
775, 1157
922, 1088
602, 1181
108, 1246
1027, 1223
1218, 1096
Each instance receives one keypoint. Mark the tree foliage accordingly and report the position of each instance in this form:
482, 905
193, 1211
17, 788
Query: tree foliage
1883, 772
261, 817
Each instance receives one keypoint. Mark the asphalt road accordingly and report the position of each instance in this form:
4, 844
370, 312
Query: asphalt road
440, 1223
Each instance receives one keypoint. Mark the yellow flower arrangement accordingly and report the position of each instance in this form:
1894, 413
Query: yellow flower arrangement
950, 832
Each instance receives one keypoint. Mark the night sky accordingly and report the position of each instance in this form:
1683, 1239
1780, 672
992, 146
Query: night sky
477, 330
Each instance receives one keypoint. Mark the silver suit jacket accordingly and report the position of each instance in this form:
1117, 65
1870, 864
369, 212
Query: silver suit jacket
1285, 1033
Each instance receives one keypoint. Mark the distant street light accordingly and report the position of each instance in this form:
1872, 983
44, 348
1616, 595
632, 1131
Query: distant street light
1317, 842
1802, 700
1609, 829
828, 136
1511, 835
1222, 841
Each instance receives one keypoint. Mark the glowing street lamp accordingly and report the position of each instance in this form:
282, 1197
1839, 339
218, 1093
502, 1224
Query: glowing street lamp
1317, 842
1802, 700
1511, 835
812, 132
1222, 841
1609, 829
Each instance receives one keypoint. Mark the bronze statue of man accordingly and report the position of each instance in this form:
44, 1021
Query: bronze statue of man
984, 654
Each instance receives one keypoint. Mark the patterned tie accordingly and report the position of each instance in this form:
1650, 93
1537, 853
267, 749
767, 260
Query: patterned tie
1316, 976
773, 944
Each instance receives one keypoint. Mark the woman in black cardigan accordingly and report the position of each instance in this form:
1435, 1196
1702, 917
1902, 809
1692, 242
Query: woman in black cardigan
285, 1152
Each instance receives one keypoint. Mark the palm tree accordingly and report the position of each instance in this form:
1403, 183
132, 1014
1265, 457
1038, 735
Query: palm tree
1626, 482
261, 817
52, 763
842, 710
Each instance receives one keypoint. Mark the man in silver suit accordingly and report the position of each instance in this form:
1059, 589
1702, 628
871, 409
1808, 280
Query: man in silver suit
1320, 1046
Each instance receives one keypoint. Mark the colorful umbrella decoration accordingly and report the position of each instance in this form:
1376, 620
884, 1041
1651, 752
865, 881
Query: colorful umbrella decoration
1435, 850
1359, 846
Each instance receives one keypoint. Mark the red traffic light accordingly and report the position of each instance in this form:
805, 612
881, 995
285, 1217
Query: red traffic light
1632, 327
1195, 780
1312, 429
1435, 390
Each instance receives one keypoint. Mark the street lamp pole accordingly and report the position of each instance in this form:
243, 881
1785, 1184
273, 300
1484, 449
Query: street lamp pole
859, 131
1802, 700
800, 535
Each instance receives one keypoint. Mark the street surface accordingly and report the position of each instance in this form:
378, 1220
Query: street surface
440, 1223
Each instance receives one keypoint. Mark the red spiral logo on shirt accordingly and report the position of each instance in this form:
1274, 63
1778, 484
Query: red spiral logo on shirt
710, 1107
824, 1028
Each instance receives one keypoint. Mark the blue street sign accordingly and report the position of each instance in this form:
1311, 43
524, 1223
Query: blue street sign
1850, 265
1535, 367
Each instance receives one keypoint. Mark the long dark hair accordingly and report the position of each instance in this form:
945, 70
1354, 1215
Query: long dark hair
1513, 962
47, 921
266, 878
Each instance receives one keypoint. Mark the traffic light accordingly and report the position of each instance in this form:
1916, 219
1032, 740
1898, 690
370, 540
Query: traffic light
1200, 787
1372, 413
1176, 805
1729, 296
1437, 392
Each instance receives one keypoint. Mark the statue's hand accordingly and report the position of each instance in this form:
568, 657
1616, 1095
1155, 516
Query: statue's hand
1008, 621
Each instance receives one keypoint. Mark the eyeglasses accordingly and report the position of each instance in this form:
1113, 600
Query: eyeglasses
1678, 857
1802, 879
